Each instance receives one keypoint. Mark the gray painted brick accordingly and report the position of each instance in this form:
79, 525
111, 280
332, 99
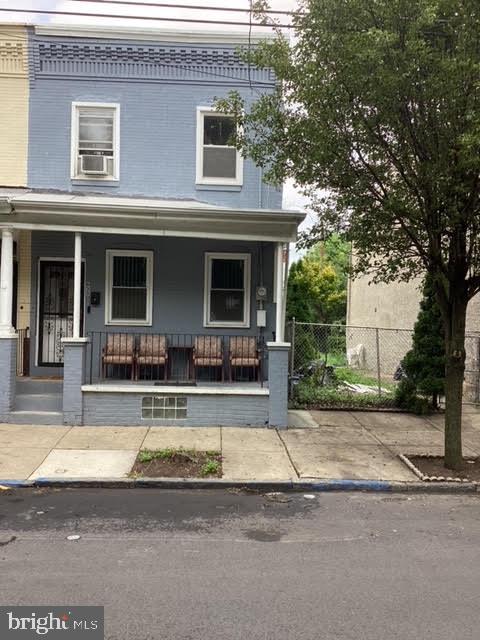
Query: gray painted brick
278, 384
157, 125
8, 364
73, 378
157, 158
126, 409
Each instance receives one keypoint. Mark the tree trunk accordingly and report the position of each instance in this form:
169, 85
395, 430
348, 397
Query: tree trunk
454, 377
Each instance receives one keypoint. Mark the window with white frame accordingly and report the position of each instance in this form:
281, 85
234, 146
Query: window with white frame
128, 288
227, 290
218, 161
95, 141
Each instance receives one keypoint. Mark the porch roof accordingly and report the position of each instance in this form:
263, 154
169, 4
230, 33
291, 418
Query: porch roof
94, 213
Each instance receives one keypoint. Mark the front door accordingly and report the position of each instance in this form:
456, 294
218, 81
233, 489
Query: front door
55, 311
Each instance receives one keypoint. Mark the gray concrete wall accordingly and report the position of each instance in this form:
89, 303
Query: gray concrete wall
384, 306
202, 410
389, 306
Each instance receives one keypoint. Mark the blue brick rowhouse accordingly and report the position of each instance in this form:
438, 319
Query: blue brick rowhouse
143, 263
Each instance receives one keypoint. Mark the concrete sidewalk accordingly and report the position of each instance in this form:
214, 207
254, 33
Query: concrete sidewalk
318, 444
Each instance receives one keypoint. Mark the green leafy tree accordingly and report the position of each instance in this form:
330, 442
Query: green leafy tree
377, 106
424, 364
335, 251
315, 292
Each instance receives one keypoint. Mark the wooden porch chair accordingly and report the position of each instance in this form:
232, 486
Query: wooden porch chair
244, 352
119, 350
208, 352
152, 352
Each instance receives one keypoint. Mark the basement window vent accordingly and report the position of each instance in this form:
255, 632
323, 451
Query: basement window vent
164, 408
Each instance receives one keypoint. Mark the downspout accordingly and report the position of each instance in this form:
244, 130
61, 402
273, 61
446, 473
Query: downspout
260, 187
260, 304
349, 286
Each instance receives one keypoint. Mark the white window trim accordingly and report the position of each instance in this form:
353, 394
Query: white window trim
200, 179
116, 141
110, 255
209, 257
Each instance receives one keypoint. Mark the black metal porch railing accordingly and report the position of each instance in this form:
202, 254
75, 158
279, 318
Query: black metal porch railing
174, 358
23, 352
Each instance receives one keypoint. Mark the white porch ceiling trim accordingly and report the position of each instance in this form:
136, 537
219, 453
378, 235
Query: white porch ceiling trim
87, 214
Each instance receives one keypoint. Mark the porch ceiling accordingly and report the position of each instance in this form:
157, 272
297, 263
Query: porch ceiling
98, 214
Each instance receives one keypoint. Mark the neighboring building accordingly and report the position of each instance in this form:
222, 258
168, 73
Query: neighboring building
378, 316
14, 89
393, 308
157, 254
14, 106
387, 306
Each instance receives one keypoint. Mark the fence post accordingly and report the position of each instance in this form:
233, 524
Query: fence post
379, 380
292, 351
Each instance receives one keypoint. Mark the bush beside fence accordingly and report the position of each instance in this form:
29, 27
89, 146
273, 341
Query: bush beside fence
365, 355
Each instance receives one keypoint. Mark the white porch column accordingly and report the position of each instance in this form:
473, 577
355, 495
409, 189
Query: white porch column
6, 284
279, 293
77, 285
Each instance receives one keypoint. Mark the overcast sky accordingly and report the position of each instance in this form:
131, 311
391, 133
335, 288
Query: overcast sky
292, 199
138, 10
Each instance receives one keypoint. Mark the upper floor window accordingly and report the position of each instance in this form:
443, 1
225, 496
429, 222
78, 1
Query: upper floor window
218, 161
95, 141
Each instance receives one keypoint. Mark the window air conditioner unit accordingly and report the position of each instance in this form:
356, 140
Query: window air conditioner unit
95, 165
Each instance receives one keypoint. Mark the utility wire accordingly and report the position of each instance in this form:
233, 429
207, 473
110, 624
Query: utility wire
162, 5
155, 18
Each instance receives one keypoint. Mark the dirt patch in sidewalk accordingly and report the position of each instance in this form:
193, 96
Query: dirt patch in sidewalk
177, 463
434, 467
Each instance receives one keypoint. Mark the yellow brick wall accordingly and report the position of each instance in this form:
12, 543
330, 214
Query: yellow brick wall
14, 90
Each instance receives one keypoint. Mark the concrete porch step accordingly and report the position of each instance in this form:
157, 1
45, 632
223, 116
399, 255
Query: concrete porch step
32, 386
36, 417
38, 402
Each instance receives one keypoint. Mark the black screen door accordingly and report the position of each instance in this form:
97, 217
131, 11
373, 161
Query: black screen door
56, 311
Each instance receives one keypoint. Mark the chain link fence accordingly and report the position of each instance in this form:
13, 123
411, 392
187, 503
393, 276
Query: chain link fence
366, 356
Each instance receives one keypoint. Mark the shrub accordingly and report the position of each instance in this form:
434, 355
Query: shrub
406, 397
424, 364
309, 395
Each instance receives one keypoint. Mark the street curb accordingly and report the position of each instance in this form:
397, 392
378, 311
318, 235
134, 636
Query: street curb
259, 486
425, 477
14, 484
167, 483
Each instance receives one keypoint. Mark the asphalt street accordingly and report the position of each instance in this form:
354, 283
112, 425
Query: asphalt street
218, 565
